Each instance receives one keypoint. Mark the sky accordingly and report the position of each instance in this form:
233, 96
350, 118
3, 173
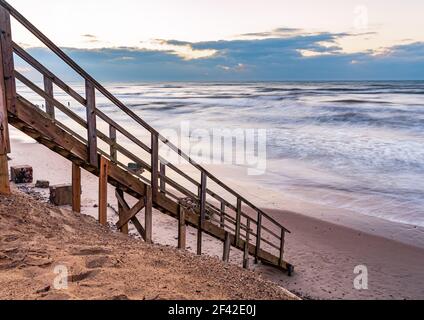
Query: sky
204, 40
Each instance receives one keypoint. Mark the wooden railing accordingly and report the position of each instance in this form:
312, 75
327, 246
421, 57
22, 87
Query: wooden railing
241, 217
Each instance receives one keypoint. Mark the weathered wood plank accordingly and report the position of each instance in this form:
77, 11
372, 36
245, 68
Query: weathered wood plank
103, 178
182, 229
91, 123
76, 188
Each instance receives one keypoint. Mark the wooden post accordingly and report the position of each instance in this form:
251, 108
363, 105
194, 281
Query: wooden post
258, 237
148, 215
238, 221
181, 229
7, 62
202, 218
155, 164
4, 175
222, 215
7, 96
112, 136
104, 167
124, 228
227, 247
91, 123
76, 188
48, 88
246, 247
162, 178
283, 234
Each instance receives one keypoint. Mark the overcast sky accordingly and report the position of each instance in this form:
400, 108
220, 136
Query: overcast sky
232, 40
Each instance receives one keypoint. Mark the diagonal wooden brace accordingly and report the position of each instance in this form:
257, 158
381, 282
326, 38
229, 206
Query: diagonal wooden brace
129, 213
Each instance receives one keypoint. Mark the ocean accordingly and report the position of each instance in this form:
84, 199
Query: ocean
350, 145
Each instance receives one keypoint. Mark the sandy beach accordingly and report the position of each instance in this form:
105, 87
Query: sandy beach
325, 246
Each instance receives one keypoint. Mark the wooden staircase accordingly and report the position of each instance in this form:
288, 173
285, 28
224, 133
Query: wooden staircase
218, 210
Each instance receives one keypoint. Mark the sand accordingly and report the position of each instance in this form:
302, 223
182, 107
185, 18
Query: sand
325, 244
55, 254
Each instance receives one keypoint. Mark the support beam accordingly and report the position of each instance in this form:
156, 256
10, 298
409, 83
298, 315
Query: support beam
76, 188
258, 237
91, 123
148, 215
104, 168
227, 247
202, 218
182, 229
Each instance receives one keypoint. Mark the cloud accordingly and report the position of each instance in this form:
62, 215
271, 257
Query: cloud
297, 57
183, 50
90, 38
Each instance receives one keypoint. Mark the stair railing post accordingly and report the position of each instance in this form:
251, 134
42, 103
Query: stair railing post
48, 88
222, 215
238, 222
283, 234
202, 217
155, 164
163, 178
90, 93
258, 237
103, 179
76, 188
246, 247
112, 136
